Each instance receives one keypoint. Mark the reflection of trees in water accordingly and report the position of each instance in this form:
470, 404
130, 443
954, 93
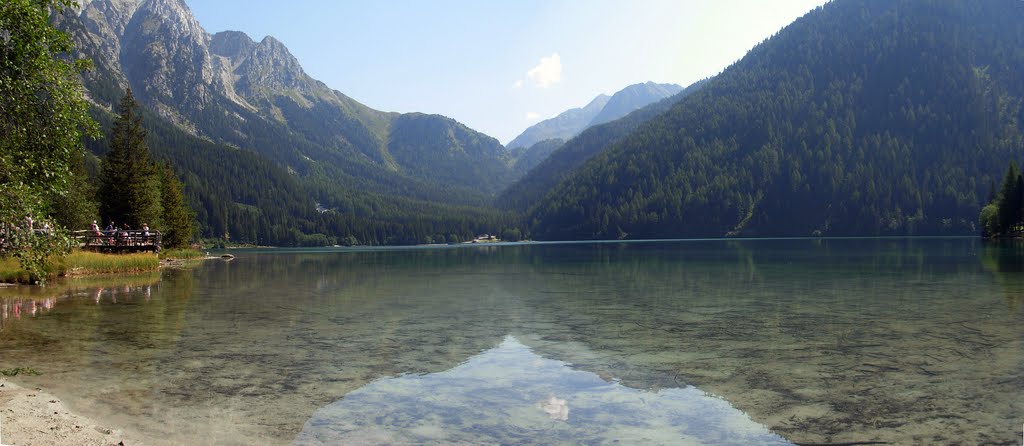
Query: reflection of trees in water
18, 302
1005, 260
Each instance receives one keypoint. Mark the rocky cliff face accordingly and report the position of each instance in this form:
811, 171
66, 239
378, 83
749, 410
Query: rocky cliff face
104, 23
234, 45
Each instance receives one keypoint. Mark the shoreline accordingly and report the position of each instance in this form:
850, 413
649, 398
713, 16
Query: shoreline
78, 272
31, 416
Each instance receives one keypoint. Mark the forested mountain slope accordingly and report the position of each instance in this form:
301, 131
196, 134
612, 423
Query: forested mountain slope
860, 118
529, 157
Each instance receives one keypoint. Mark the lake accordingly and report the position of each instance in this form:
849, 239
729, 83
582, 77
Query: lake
720, 342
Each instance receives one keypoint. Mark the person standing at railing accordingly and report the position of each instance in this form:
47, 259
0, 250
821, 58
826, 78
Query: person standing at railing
125, 240
145, 233
95, 229
110, 232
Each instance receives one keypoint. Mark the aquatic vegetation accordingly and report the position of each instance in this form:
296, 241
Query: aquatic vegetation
20, 371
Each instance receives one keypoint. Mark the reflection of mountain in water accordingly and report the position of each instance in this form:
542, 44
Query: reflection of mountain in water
509, 395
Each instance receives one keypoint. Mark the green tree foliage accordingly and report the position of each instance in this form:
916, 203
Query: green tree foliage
1004, 215
44, 119
1009, 203
861, 118
177, 218
77, 208
129, 190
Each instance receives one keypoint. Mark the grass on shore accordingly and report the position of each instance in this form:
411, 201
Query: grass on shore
11, 272
82, 263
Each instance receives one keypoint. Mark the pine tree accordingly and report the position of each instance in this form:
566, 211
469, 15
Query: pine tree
130, 183
177, 218
1009, 209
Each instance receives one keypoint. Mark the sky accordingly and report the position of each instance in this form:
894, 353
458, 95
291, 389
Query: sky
501, 66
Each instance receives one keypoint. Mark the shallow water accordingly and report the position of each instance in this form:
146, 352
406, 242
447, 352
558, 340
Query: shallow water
902, 341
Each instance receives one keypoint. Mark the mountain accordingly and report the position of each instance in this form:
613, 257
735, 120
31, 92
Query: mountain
632, 98
529, 157
560, 160
390, 177
599, 111
564, 126
860, 118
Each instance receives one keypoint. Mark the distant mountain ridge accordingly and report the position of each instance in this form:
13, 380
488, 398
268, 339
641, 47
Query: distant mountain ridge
633, 97
600, 110
564, 126
559, 158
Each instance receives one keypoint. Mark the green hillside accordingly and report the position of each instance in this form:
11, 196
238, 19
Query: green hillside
245, 198
861, 118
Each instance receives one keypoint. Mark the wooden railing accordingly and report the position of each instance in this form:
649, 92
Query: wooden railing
119, 240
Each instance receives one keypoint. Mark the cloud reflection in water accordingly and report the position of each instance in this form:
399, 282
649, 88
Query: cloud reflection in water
510, 395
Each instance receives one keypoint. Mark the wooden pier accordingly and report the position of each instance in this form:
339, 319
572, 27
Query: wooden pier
119, 241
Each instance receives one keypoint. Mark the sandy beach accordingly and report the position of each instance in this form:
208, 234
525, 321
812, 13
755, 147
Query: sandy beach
33, 417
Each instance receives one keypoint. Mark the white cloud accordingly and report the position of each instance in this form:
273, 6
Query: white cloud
532, 116
518, 84
548, 72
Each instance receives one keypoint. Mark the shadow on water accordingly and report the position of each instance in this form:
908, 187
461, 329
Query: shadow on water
822, 341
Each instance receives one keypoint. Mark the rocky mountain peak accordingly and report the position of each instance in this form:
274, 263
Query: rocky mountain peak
270, 67
176, 17
164, 52
108, 18
234, 45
